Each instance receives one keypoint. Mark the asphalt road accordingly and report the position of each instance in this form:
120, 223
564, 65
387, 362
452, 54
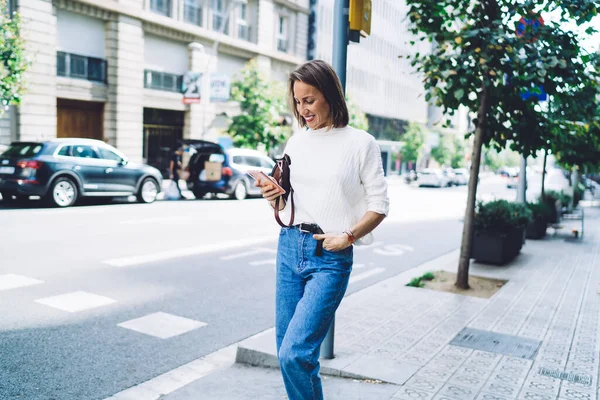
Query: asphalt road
210, 262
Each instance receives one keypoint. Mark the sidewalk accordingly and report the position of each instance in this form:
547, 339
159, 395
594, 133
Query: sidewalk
400, 335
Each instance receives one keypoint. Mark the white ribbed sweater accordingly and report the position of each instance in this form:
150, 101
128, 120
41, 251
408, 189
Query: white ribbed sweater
337, 176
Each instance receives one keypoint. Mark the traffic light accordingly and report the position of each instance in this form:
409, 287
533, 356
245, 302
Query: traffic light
360, 17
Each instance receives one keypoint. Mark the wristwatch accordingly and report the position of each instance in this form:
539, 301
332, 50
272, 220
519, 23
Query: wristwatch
351, 237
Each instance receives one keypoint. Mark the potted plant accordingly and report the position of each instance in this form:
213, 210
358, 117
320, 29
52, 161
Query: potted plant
554, 200
541, 213
499, 230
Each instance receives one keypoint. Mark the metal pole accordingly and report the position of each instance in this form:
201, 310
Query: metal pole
522, 189
340, 58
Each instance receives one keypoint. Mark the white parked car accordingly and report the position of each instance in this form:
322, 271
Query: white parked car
433, 177
461, 176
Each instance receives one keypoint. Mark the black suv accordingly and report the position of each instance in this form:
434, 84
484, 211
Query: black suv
215, 170
62, 170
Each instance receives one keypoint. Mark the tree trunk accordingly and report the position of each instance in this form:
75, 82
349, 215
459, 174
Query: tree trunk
544, 175
462, 277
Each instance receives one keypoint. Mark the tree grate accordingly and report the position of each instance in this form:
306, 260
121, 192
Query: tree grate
572, 377
508, 345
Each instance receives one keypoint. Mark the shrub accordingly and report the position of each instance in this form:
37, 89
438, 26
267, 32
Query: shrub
501, 216
540, 211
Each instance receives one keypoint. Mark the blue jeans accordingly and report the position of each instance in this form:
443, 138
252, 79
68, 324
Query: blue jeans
309, 290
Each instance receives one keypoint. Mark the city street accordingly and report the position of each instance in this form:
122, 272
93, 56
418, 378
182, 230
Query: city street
74, 282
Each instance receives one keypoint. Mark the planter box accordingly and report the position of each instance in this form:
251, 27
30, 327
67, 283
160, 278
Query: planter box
497, 248
536, 230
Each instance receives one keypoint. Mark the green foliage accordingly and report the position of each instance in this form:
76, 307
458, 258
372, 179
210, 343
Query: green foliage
457, 159
428, 277
358, 119
477, 49
494, 160
418, 281
444, 150
12, 59
415, 282
413, 141
262, 104
540, 211
501, 216
578, 192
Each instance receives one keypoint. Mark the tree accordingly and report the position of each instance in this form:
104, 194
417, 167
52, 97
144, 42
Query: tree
442, 153
12, 60
413, 140
262, 104
483, 60
358, 119
458, 155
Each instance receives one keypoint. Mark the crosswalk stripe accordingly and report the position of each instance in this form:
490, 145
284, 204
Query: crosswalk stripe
248, 253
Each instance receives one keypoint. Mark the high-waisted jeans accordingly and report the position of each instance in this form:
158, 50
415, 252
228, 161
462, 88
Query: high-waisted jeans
309, 290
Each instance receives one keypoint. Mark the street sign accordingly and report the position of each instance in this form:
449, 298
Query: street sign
191, 87
219, 88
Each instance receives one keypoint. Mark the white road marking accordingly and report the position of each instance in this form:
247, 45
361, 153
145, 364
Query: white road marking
393, 250
271, 261
162, 325
372, 245
248, 253
358, 266
76, 301
185, 252
365, 275
12, 281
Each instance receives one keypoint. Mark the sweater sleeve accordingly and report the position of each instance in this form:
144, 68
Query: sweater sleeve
373, 179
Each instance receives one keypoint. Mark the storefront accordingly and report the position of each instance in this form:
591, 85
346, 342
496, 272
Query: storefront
163, 132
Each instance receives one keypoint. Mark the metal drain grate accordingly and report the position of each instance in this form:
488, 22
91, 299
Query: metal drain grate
572, 377
500, 343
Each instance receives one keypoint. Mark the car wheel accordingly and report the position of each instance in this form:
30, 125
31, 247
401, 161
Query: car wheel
240, 192
199, 194
63, 193
148, 191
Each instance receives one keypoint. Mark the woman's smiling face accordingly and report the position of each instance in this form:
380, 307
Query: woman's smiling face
311, 105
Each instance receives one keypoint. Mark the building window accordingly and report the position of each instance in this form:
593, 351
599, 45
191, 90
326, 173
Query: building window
80, 67
162, 81
218, 16
162, 7
242, 23
192, 12
282, 34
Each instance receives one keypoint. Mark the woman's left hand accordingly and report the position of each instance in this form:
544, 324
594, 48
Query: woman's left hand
333, 242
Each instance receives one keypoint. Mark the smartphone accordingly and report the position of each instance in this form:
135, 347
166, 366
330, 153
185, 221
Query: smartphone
263, 178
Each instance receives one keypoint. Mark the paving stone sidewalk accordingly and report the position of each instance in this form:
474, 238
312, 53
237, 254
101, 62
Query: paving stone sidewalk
392, 331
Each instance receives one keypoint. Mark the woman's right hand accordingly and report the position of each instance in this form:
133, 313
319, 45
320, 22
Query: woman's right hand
269, 190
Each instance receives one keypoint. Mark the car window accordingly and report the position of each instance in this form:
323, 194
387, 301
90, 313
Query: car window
238, 160
267, 163
64, 151
23, 150
253, 161
84, 152
109, 155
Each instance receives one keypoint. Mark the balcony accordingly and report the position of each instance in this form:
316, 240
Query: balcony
192, 13
80, 67
162, 81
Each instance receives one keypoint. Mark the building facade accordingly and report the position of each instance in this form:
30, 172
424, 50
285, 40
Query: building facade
113, 69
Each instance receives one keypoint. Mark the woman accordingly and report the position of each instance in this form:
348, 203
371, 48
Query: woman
340, 196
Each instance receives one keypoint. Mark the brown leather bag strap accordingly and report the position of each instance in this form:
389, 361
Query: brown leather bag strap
291, 196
